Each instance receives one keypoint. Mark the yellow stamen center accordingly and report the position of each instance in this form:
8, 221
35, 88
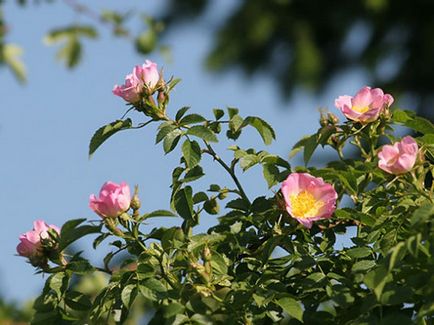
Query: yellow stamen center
360, 109
304, 205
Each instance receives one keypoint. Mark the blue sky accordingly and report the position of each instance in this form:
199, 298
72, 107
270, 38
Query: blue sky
46, 125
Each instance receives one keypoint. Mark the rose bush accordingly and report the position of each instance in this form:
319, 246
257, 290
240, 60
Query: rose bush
273, 258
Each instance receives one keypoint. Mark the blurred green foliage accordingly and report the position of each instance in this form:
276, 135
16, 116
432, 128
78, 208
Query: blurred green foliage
296, 42
308, 43
10, 313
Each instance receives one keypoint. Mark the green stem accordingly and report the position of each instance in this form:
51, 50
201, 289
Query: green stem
228, 169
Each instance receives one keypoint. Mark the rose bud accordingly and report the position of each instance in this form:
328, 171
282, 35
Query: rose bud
113, 200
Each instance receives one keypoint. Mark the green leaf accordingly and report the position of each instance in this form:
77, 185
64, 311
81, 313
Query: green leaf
409, 119
310, 145
173, 309
159, 213
70, 232
11, 56
264, 129
80, 266
202, 132
292, 307
395, 254
183, 202
58, 283
402, 116
105, 132
363, 265
192, 119
164, 131
60, 34
193, 174
421, 125
171, 140
271, 174
200, 197
77, 301
359, 252
232, 111
181, 112
238, 204
248, 161
211, 206
154, 285
218, 113
191, 152
236, 122
146, 41
376, 280
128, 295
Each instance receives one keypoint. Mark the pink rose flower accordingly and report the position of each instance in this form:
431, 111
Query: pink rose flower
400, 157
308, 198
30, 242
145, 77
149, 75
114, 199
366, 106
132, 90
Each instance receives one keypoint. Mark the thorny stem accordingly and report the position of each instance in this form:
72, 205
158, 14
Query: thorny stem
231, 172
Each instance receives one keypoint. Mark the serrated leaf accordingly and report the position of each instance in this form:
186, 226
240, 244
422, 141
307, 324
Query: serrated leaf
264, 129
238, 204
163, 132
171, 140
105, 132
192, 119
191, 152
80, 266
193, 174
248, 161
202, 132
